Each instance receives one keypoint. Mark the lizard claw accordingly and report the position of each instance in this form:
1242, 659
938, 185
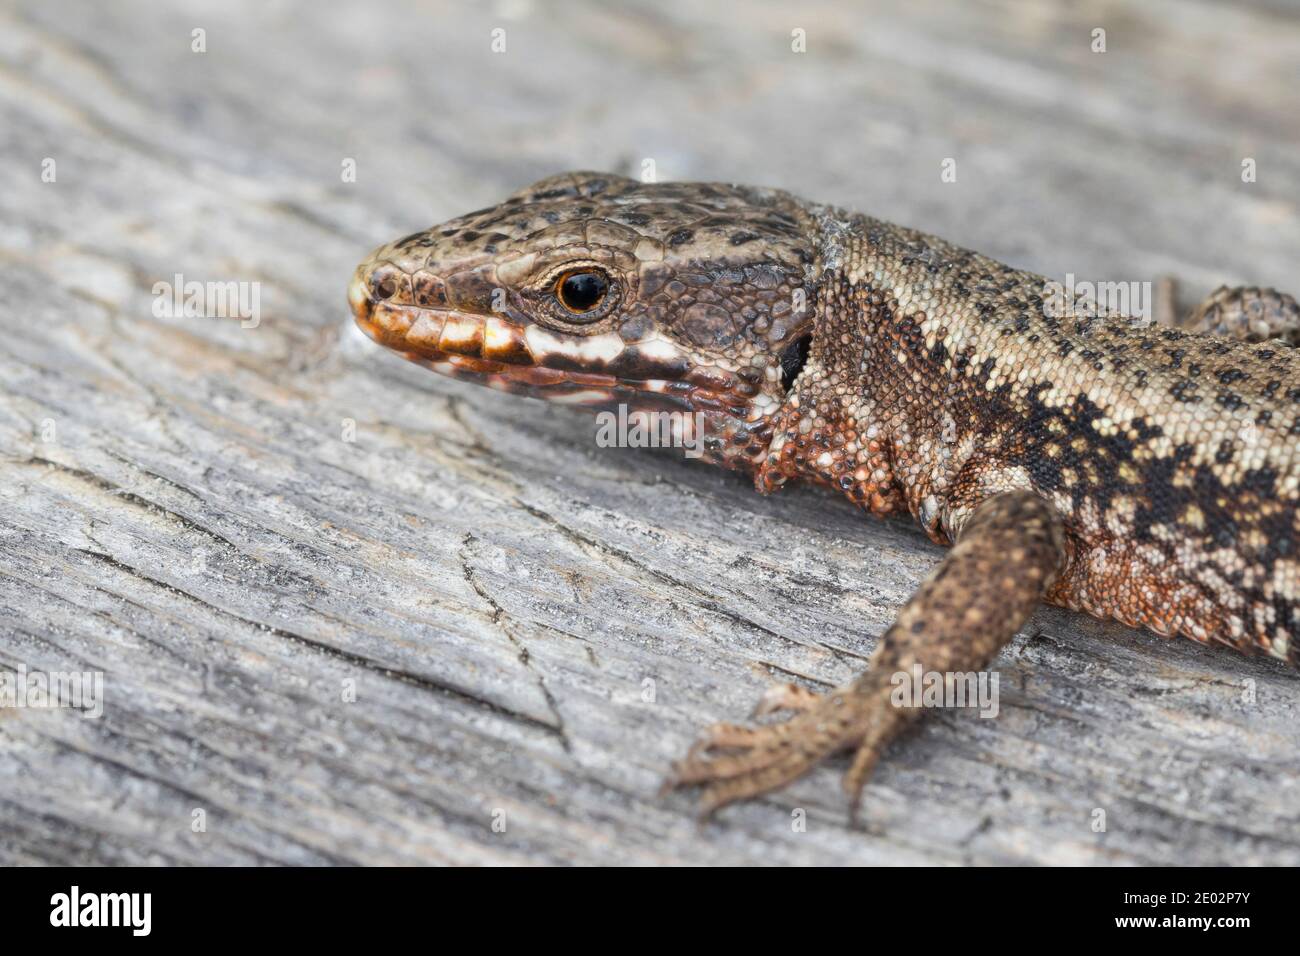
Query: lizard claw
734, 762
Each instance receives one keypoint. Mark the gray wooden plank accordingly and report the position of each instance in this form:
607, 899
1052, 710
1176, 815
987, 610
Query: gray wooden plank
498, 590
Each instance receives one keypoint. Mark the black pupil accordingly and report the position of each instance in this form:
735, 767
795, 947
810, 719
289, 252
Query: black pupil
793, 359
583, 291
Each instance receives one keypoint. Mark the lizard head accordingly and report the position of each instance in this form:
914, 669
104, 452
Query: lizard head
590, 288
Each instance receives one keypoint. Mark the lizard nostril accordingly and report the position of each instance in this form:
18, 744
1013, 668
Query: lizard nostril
385, 287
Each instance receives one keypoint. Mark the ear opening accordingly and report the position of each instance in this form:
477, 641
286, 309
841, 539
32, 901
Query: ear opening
793, 358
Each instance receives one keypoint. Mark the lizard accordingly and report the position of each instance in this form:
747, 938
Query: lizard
1148, 473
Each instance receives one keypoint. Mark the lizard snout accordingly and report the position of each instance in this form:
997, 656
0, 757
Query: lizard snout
359, 294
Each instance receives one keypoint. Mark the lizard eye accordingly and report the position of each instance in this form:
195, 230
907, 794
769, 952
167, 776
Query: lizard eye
581, 291
383, 284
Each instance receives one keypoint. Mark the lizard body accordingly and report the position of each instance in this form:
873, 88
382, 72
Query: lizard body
1145, 473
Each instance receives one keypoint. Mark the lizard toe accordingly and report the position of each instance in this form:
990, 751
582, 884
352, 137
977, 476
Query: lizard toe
735, 761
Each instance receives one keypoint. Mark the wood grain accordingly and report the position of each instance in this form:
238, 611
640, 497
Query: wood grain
534, 627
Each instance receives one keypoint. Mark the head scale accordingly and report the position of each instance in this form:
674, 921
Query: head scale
598, 289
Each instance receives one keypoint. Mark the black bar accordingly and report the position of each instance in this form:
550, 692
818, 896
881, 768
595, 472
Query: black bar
221, 906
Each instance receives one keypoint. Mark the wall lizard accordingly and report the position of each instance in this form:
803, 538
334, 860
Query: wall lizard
1146, 473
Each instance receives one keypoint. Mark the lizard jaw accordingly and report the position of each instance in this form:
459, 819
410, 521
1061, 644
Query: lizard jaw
596, 371
465, 356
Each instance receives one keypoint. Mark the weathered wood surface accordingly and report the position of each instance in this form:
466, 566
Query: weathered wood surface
500, 590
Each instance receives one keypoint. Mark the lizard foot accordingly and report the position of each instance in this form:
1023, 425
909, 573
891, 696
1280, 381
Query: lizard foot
736, 761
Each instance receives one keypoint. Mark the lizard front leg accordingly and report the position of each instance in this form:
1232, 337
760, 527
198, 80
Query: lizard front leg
1006, 557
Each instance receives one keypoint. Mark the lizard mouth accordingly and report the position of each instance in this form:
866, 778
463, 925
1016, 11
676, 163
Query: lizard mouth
600, 370
526, 358
485, 350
